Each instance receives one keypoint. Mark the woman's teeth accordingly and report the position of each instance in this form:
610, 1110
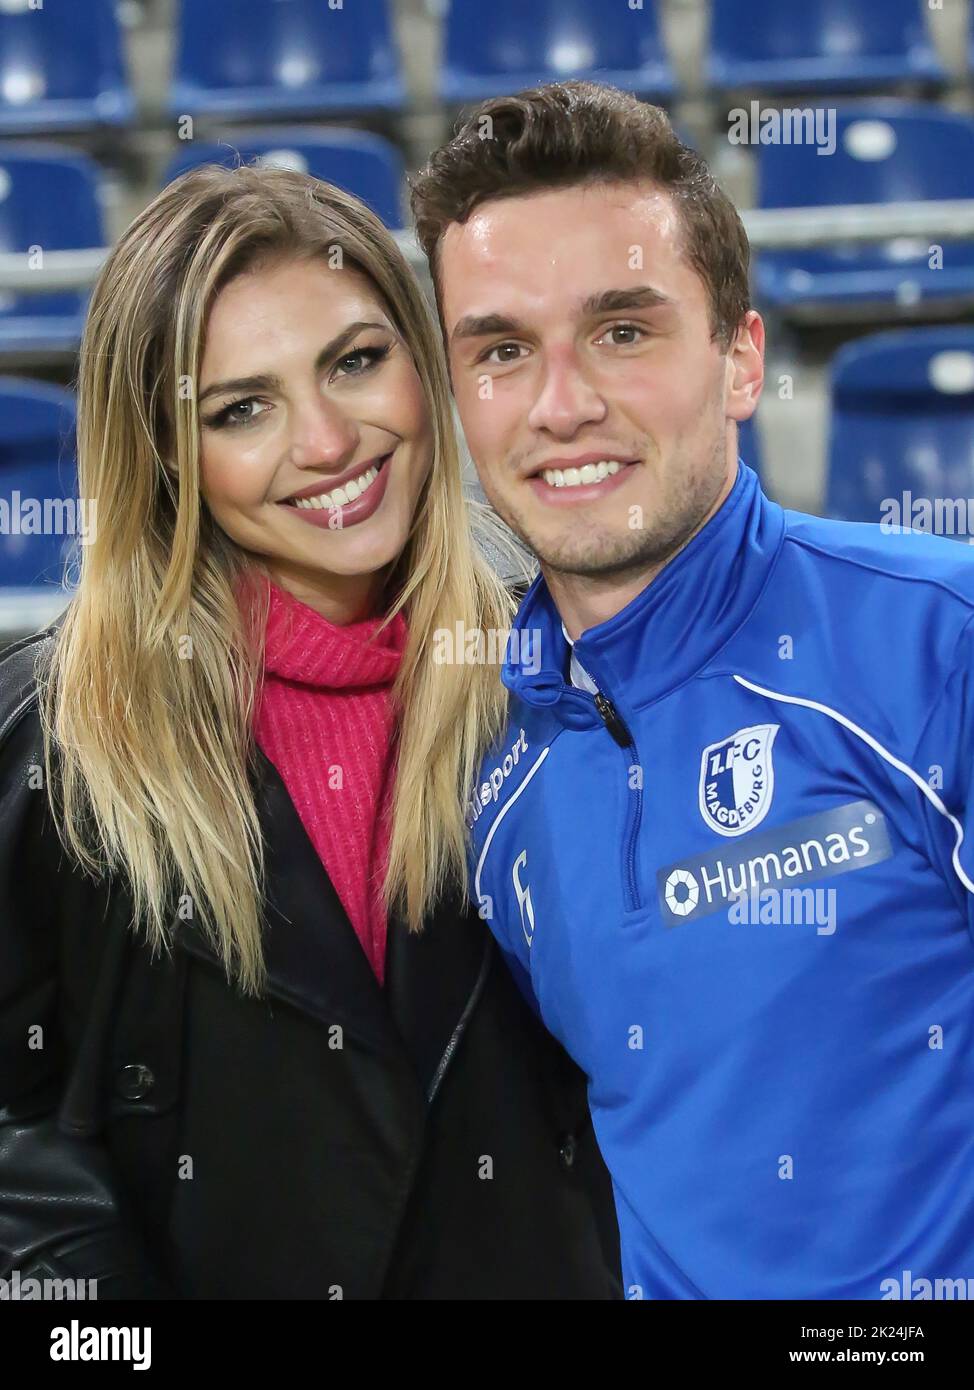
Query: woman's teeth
575, 477
341, 495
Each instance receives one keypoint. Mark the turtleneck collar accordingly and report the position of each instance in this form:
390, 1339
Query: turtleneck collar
303, 646
669, 631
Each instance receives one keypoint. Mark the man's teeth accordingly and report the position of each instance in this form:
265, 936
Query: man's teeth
575, 477
341, 495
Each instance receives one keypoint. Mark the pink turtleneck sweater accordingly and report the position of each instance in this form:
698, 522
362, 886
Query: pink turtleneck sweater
325, 720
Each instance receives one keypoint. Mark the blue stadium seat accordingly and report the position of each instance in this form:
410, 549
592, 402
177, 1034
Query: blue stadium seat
507, 44
819, 45
61, 67
886, 151
37, 464
48, 200
903, 422
361, 163
250, 59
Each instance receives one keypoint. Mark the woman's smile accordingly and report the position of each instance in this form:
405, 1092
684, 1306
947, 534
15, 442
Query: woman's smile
337, 506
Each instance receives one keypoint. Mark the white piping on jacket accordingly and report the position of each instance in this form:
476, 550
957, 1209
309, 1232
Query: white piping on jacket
885, 754
500, 816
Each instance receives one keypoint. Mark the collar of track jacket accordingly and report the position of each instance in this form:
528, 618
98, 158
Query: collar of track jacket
668, 632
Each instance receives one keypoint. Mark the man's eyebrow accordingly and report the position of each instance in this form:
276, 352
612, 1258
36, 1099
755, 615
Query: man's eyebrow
617, 301
605, 302
273, 383
484, 325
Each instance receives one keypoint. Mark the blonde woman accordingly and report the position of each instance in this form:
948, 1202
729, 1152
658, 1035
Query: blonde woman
252, 1043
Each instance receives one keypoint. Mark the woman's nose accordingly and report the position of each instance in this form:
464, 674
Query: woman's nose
322, 434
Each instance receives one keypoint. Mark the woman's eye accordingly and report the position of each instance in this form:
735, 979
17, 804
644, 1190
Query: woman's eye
240, 413
503, 353
359, 361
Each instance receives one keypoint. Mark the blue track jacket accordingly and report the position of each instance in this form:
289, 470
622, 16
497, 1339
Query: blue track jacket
738, 885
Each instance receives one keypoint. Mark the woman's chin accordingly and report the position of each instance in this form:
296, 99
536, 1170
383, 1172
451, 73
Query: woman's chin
353, 557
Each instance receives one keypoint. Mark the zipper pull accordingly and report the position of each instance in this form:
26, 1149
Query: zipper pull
613, 721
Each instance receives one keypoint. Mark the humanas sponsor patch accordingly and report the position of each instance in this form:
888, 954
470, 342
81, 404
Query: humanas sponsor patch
808, 850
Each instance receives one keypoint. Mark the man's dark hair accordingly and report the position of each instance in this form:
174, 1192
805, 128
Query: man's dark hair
569, 134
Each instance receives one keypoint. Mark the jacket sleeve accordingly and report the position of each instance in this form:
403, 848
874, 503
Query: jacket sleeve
62, 1214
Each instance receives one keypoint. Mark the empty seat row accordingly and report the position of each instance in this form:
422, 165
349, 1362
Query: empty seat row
61, 64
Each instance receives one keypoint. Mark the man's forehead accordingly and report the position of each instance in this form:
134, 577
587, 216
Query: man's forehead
557, 218
560, 247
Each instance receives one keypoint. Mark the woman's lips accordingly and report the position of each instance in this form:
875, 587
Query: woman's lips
351, 513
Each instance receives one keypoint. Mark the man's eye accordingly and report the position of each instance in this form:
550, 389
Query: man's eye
503, 353
623, 334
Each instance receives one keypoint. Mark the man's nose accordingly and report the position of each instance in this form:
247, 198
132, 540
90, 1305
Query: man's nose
567, 400
322, 435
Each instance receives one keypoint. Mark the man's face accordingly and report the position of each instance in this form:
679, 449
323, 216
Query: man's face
594, 398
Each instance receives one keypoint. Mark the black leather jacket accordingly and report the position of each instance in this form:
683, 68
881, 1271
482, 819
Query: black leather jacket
165, 1135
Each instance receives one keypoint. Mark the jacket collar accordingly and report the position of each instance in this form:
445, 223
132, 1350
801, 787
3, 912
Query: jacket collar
666, 633
316, 963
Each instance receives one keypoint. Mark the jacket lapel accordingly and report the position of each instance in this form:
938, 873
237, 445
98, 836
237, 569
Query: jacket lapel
314, 959
316, 963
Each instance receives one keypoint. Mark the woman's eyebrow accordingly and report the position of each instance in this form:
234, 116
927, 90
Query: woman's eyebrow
270, 382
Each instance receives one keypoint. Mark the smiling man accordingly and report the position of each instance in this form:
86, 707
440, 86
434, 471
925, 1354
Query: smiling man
734, 705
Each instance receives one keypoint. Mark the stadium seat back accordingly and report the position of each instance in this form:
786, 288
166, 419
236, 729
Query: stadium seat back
61, 66
37, 466
49, 202
510, 44
903, 427
273, 56
885, 152
366, 165
819, 43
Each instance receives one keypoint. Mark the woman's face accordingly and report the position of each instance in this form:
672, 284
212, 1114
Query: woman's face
307, 390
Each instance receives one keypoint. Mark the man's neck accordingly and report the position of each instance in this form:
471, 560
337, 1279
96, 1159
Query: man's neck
585, 600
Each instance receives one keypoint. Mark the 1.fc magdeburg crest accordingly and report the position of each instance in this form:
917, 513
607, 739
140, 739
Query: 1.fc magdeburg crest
737, 780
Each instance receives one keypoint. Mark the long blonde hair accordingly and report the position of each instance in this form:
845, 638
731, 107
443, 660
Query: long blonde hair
152, 748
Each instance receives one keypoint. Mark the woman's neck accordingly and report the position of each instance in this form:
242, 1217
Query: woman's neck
342, 599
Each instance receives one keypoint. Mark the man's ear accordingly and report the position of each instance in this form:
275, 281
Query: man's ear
745, 368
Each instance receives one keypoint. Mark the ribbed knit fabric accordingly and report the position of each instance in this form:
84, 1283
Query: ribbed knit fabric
325, 720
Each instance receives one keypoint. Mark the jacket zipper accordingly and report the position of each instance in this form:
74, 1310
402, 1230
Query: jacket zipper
620, 732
